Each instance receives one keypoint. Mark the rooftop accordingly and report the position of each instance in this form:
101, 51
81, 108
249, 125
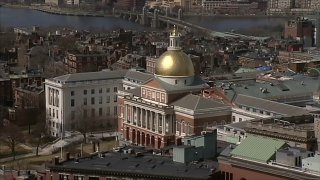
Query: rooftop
198, 103
147, 165
103, 75
257, 148
269, 106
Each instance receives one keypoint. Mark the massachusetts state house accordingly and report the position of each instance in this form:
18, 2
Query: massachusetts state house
169, 106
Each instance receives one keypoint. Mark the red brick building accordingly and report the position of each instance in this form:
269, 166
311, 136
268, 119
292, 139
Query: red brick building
301, 29
162, 111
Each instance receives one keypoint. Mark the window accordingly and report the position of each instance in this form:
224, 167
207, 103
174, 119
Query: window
108, 99
100, 90
92, 100
50, 112
72, 93
108, 90
63, 177
100, 111
176, 81
72, 102
115, 98
53, 114
268, 113
261, 112
93, 112
72, 115
254, 110
115, 110
93, 178
248, 109
85, 113
233, 119
92, 91
78, 177
115, 89
57, 113
85, 91
240, 119
108, 111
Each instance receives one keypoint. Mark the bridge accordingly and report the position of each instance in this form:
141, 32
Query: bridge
156, 20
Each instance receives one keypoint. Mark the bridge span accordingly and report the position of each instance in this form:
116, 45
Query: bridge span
155, 20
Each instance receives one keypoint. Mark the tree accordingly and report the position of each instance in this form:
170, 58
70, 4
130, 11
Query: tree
39, 130
11, 136
85, 123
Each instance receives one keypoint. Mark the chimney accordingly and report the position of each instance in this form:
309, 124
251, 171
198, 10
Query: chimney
56, 160
67, 156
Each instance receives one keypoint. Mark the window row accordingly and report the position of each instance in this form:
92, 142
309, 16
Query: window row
92, 91
255, 110
85, 112
53, 113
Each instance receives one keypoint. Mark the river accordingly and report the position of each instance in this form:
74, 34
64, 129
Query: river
15, 17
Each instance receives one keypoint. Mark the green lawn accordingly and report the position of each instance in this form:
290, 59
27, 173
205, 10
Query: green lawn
6, 152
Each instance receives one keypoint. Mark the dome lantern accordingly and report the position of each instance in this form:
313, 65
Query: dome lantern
174, 62
174, 39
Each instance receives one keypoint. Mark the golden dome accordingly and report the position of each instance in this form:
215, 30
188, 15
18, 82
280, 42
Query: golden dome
174, 63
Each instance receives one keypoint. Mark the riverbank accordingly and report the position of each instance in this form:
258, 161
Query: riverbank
77, 12
60, 11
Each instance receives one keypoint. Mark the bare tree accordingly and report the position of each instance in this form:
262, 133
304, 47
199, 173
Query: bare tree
11, 136
39, 130
86, 121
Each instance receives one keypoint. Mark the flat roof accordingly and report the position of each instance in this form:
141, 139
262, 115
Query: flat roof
148, 165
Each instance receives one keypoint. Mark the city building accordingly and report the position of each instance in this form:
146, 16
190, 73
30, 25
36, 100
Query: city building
296, 131
9, 82
130, 4
29, 100
316, 115
312, 164
255, 158
91, 95
292, 156
163, 110
289, 89
196, 148
129, 163
54, 2
230, 6
302, 30
86, 61
247, 107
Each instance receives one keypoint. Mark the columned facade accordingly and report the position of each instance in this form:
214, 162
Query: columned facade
146, 125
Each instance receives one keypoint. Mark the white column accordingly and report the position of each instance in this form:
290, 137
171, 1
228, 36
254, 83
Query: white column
157, 123
152, 120
131, 112
144, 118
163, 123
140, 118
147, 119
